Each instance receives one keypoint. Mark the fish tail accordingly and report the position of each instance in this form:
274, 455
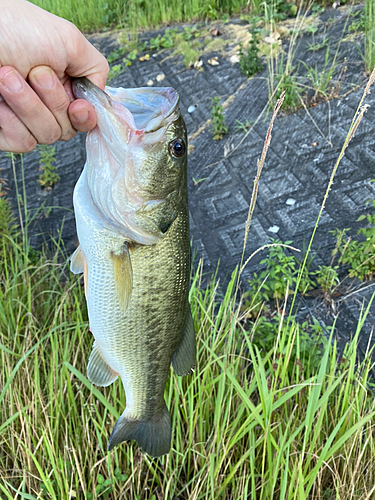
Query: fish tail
153, 436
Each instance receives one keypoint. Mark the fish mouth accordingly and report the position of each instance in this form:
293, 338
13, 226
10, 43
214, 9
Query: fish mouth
144, 109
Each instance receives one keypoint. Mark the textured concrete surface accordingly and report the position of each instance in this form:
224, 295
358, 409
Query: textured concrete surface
303, 151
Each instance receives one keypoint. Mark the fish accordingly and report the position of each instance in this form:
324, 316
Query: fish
132, 220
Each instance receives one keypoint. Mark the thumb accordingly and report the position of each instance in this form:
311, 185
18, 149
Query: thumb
85, 60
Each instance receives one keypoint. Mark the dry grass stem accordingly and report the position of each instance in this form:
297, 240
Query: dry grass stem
260, 164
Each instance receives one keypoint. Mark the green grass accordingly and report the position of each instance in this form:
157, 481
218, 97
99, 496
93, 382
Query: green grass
95, 14
246, 424
369, 34
250, 422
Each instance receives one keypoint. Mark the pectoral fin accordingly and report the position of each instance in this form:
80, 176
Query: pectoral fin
123, 275
98, 370
184, 358
78, 265
76, 261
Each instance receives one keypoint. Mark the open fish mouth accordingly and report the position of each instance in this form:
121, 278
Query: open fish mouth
141, 109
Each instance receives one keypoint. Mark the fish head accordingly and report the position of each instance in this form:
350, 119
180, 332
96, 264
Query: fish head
136, 158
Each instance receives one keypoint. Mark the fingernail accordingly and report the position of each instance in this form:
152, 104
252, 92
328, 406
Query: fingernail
81, 115
44, 79
12, 82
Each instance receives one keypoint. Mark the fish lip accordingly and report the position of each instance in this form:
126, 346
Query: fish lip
82, 85
134, 100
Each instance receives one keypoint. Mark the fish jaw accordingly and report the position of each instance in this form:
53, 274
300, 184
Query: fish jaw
132, 130
128, 113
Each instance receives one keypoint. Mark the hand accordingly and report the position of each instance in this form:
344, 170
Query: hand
46, 51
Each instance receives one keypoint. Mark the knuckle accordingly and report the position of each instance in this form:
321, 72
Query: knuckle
27, 144
60, 104
52, 137
66, 136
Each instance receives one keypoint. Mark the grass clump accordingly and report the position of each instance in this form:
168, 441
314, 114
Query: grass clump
257, 419
92, 15
250, 62
48, 172
369, 35
219, 129
359, 255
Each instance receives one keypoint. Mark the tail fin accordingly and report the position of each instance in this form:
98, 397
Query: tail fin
153, 436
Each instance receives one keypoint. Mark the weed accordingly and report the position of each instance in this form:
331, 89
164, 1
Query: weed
288, 82
105, 486
327, 278
278, 278
314, 47
242, 127
114, 71
359, 24
312, 339
163, 42
209, 10
218, 119
189, 50
48, 176
250, 62
198, 181
360, 255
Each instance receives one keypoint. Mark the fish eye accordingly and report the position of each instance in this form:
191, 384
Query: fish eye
177, 148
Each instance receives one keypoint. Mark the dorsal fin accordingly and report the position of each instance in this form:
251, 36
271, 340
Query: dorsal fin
123, 273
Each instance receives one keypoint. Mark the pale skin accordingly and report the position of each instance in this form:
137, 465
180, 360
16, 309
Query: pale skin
39, 53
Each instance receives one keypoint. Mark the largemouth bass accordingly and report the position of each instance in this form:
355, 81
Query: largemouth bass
132, 220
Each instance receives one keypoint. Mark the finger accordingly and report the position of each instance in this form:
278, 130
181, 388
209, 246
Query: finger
85, 60
14, 136
51, 92
26, 104
82, 115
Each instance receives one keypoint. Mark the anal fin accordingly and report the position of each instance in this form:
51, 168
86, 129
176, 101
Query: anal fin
184, 358
123, 273
98, 370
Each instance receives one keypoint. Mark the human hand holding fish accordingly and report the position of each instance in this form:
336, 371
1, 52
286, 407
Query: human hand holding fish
39, 53
132, 217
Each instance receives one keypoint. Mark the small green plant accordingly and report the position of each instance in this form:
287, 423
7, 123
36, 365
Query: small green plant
242, 127
111, 15
358, 25
288, 82
105, 486
209, 10
114, 71
327, 278
279, 275
189, 51
250, 62
311, 339
279, 10
360, 255
198, 181
163, 42
218, 119
314, 47
48, 176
